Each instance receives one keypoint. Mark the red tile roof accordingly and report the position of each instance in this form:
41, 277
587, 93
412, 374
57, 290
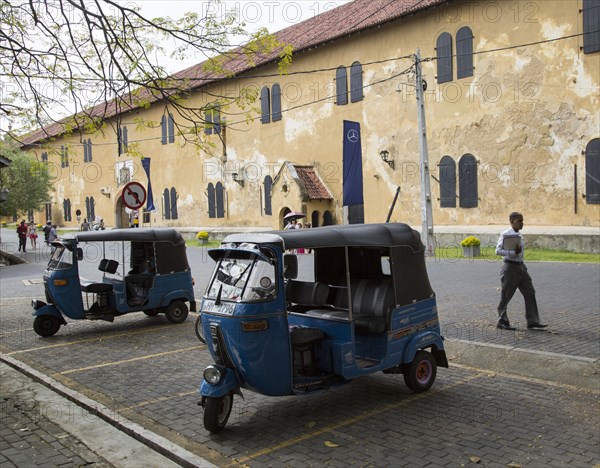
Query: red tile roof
313, 187
339, 22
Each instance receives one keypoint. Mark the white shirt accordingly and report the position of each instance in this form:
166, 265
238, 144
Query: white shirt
510, 254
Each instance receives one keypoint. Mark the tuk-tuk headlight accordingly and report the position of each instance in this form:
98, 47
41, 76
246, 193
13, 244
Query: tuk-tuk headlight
212, 375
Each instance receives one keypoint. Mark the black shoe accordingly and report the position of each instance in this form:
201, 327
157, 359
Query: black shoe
504, 326
536, 326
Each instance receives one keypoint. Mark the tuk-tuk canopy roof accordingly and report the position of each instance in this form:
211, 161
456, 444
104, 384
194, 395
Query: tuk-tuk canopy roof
129, 234
351, 235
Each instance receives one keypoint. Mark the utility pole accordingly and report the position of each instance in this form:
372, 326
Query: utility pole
426, 208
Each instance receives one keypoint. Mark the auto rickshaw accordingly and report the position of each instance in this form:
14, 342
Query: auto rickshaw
154, 277
369, 308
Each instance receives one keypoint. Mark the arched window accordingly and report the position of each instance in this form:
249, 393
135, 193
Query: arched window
592, 172
67, 209
464, 52
90, 210
163, 129
220, 200
211, 201
447, 176
268, 186
167, 129
443, 47
265, 105
467, 181
85, 151
276, 102
64, 156
314, 219
171, 128
356, 82
122, 139
89, 150
174, 198
166, 204
341, 86
327, 218
591, 26
212, 118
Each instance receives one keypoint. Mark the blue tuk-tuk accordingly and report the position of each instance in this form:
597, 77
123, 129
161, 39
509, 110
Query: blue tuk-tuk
154, 277
368, 307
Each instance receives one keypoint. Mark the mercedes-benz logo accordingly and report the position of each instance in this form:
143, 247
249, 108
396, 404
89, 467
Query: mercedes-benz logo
353, 136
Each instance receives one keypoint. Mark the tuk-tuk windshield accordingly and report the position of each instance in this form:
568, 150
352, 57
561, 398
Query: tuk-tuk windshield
243, 280
61, 259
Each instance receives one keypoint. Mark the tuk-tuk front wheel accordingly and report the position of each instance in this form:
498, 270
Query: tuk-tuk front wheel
420, 375
216, 412
46, 325
176, 312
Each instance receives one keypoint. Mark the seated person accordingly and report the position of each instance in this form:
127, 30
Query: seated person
138, 284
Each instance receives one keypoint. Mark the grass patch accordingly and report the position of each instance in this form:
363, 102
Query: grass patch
531, 255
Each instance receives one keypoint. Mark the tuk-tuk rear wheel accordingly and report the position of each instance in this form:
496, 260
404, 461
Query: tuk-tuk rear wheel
421, 373
46, 325
216, 412
176, 312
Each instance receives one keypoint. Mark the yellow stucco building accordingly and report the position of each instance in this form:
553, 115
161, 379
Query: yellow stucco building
512, 117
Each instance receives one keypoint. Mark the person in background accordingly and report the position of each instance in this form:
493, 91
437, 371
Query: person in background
52, 236
22, 233
514, 275
293, 224
32, 234
46, 230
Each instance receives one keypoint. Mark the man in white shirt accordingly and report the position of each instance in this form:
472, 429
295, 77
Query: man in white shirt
514, 275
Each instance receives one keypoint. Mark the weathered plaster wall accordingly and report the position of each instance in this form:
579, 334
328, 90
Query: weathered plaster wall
526, 116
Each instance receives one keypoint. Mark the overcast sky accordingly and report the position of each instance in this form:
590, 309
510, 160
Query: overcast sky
271, 14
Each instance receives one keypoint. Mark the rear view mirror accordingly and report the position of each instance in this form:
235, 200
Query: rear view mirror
290, 266
79, 253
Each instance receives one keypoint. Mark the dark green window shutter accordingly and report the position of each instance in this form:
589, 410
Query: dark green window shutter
443, 49
464, 52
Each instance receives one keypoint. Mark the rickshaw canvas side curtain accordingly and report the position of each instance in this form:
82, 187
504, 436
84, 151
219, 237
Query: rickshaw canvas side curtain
352, 171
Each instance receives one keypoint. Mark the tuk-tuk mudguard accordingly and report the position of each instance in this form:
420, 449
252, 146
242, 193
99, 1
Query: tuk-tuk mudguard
228, 383
49, 309
426, 339
178, 295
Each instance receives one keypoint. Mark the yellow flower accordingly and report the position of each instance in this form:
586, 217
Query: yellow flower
470, 241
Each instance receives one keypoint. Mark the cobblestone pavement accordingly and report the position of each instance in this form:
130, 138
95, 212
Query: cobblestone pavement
28, 438
148, 371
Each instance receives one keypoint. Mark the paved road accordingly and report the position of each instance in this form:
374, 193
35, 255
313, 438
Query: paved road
147, 371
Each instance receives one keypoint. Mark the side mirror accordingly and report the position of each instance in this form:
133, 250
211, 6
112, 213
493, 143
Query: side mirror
79, 254
290, 266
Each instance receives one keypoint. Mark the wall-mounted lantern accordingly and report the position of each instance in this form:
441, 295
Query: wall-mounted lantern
237, 178
385, 157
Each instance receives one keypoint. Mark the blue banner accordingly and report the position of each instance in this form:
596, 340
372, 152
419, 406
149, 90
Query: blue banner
352, 164
150, 200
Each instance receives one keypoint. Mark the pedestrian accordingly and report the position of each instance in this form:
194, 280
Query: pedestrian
32, 234
46, 230
22, 233
291, 225
85, 226
514, 275
52, 236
